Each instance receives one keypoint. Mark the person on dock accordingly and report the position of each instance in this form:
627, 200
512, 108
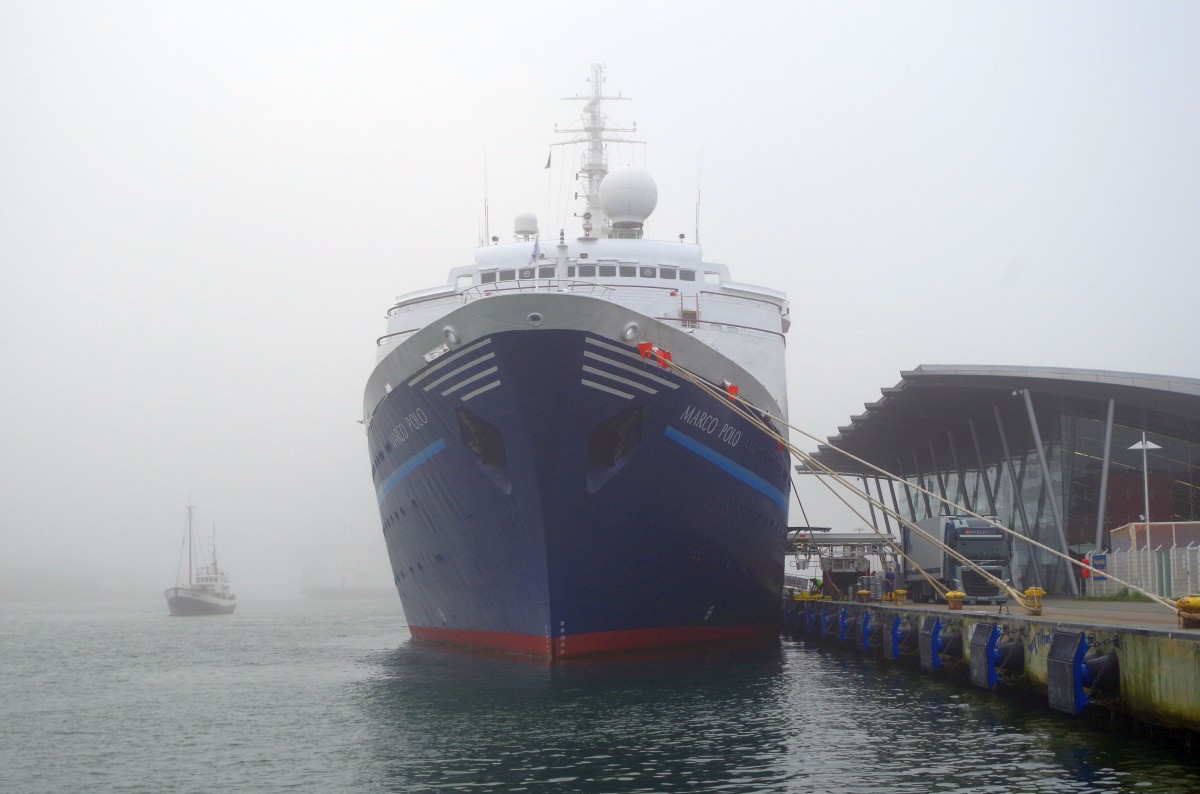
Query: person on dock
889, 584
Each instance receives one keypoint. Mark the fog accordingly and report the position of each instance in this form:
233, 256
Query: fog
206, 209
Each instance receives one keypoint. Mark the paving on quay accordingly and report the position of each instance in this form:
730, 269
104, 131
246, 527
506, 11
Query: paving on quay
1126, 614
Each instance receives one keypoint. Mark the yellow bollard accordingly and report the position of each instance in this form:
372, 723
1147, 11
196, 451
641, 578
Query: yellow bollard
1033, 600
954, 599
899, 596
1189, 612
864, 596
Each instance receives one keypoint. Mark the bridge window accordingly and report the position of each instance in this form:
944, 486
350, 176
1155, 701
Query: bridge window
488, 277
546, 271
508, 275
628, 271
666, 272
608, 271
527, 272
646, 272
587, 271
687, 275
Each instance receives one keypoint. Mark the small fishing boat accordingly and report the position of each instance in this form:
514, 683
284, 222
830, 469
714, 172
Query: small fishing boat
207, 588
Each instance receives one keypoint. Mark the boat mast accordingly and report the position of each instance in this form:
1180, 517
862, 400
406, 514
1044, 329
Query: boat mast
595, 158
189, 531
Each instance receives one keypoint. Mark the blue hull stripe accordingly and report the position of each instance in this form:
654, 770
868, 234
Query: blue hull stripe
738, 471
408, 467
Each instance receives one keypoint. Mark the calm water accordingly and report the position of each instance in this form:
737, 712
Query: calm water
328, 696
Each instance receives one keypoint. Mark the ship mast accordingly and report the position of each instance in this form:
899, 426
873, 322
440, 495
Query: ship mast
189, 531
595, 157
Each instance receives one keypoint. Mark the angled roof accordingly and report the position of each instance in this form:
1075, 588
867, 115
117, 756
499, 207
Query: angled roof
934, 403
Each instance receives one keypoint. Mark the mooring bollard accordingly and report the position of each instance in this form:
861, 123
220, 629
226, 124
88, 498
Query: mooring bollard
954, 599
1189, 612
1033, 600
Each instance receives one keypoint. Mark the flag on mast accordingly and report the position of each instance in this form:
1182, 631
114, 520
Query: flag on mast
537, 250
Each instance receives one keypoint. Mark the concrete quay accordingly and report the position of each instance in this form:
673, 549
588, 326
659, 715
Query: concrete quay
1131, 659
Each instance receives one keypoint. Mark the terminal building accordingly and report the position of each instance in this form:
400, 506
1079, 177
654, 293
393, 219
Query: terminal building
1054, 454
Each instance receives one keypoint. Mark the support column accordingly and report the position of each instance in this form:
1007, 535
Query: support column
962, 475
983, 474
937, 472
1055, 513
921, 482
912, 509
887, 523
1102, 499
895, 503
1018, 497
870, 504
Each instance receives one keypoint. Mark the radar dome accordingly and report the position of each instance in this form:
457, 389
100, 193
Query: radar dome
525, 224
628, 196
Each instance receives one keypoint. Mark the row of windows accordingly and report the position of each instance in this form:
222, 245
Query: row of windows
588, 271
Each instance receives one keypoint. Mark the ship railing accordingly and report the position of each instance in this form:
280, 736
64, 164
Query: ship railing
396, 336
480, 291
601, 290
683, 322
731, 328
426, 302
744, 300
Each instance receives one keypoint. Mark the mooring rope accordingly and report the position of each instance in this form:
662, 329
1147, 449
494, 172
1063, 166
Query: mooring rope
762, 419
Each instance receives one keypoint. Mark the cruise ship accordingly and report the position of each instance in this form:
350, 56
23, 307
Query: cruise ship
554, 477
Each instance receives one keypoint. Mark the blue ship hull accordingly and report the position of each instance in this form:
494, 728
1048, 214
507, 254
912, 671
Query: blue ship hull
549, 492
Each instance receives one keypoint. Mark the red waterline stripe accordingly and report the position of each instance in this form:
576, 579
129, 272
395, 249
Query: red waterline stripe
529, 644
593, 644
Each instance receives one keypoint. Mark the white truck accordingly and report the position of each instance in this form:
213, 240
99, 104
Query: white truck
985, 545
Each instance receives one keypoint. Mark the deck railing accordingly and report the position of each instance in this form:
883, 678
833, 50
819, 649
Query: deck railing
689, 317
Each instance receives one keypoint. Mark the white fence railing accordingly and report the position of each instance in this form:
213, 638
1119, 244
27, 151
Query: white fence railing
1168, 572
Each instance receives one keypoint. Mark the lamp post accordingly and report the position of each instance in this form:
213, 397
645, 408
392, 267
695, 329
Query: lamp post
1144, 446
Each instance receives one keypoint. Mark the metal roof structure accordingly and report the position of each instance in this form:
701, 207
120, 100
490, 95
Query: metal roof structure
936, 408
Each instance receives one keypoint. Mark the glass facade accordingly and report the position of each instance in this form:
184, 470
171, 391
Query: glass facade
1082, 499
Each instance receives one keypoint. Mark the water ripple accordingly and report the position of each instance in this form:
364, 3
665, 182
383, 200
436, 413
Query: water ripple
306, 697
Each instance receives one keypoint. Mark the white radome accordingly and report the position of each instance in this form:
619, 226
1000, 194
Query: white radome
628, 196
525, 224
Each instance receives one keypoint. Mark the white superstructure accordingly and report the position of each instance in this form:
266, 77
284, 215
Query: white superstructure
667, 281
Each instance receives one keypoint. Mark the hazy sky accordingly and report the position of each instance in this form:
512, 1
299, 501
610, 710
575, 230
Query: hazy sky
206, 209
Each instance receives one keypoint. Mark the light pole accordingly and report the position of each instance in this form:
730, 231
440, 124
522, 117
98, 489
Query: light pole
1144, 446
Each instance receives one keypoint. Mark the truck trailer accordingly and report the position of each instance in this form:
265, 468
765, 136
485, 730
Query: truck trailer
978, 541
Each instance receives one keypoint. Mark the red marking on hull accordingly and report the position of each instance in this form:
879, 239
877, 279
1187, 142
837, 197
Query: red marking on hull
593, 644
528, 644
